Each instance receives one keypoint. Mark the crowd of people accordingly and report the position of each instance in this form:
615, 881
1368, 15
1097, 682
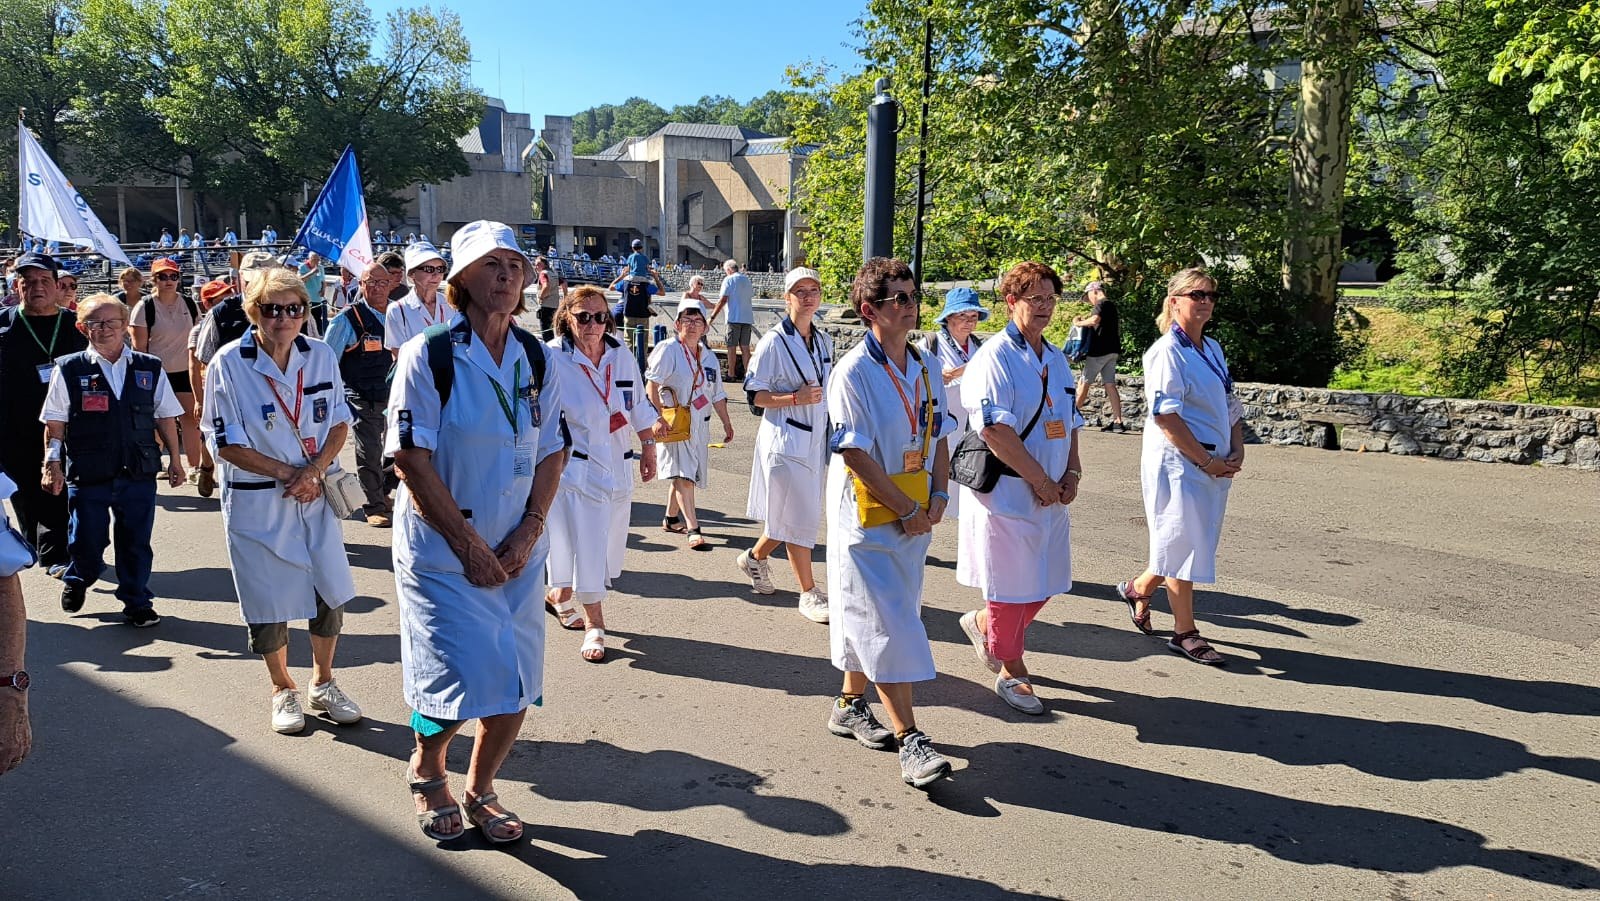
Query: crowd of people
506, 467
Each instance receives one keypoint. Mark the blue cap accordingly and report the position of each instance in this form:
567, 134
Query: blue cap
35, 261
962, 300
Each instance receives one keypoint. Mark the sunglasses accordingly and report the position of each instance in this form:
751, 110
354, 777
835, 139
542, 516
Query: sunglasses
168, 277
584, 317
282, 310
431, 270
1212, 296
67, 286
900, 299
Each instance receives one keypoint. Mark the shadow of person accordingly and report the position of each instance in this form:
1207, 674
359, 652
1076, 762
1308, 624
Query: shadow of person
1236, 611
666, 866
1413, 752
1291, 829
661, 780
207, 583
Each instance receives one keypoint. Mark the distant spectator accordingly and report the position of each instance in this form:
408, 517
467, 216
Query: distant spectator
738, 295
161, 325
311, 274
165, 241
184, 241
551, 288
66, 290
230, 239
1105, 343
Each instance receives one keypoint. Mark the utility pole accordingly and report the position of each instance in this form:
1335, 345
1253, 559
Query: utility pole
882, 125
922, 148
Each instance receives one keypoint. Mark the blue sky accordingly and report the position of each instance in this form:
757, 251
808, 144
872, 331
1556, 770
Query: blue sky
556, 58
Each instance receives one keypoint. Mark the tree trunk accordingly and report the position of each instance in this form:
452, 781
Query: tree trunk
1320, 153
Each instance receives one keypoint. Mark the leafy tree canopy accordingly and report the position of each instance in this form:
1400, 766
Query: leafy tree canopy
598, 127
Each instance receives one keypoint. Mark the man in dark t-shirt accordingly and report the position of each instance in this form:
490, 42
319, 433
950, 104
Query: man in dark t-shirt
1105, 343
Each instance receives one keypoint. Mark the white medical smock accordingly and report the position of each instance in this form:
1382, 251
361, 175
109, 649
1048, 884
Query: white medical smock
1183, 507
954, 356
875, 574
283, 553
791, 454
407, 317
469, 651
1011, 549
690, 377
588, 522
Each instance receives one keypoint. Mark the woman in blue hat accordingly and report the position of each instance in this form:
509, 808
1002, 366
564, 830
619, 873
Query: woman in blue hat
954, 344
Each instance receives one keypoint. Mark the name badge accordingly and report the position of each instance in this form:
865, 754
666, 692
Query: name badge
1055, 428
371, 344
310, 445
911, 460
522, 463
618, 420
700, 402
96, 402
44, 373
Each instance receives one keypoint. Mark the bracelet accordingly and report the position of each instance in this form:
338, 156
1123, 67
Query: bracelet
944, 495
1076, 472
915, 508
647, 442
1210, 458
533, 514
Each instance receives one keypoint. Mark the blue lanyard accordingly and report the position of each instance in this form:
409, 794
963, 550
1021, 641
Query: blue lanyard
1221, 371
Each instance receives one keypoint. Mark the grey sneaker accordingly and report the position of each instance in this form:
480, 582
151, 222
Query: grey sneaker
328, 698
758, 571
287, 717
814, 605
920, 764
980, 642
1007, 690
856, 721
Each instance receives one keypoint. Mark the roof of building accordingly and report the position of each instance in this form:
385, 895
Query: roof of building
722, 132
616, 151
756, 143
472, 141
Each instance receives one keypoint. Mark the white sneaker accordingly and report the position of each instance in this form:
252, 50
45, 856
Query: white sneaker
814, 605
758, 571
1007, 690
287, 717
327, 698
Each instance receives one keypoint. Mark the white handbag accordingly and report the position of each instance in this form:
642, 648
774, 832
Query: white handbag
16, 554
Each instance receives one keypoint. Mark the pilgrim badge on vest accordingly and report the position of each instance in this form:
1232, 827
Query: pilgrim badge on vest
96, 402
319, 409
371, 345
146, 381
269, 416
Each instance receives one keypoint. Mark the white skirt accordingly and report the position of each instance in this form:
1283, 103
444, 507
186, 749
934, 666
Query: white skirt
1183, 509
1014, 559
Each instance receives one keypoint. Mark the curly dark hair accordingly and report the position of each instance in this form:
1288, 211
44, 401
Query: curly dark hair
563, 320
1019, 277
873, 278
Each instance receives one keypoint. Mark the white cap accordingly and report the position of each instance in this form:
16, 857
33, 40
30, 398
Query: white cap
800, 274
687, 304
475, 240
421, 252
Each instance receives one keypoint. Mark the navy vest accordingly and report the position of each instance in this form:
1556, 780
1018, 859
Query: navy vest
366, 372
121, 440
230, 320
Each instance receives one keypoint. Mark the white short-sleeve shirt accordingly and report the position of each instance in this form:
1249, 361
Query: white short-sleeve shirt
58, 403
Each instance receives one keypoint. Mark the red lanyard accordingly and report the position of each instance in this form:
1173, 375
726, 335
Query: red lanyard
694, 364
605, 396
911, 411
1044, 380
299, 395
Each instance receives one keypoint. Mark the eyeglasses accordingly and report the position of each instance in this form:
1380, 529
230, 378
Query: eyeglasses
900, 300
806, 293
1042, 300
67, 286
95, 325
431, 270
584, 317
1212, 296
168, 277
282, 310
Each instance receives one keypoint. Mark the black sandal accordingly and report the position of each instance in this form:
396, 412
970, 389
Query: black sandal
696, 540
673, 524
1141, 621
1202, 652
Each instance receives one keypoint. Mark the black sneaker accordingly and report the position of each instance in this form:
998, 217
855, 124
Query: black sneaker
72, 597
1122, 427
143, 617
1109, 427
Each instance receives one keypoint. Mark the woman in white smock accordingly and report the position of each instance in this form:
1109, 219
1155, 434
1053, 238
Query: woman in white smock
954, 344
605, 409
479, 468
1193, 447
423, 306
684, 372
786, 379
888, 421
1016, 540
275, 417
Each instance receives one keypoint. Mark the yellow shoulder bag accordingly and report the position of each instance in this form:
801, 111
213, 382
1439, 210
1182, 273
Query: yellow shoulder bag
869, 510
679, 421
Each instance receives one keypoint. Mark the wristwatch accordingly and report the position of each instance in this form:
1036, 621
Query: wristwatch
18, 680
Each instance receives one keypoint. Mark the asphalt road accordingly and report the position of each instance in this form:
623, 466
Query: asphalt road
1412, 710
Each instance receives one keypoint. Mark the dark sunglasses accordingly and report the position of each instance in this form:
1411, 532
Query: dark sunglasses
67, 286
431, 270
168, 277
1212, 296
282, 310
900, 299
584, 317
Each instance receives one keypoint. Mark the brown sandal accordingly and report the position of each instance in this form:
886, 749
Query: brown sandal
1141, 621
1192, 646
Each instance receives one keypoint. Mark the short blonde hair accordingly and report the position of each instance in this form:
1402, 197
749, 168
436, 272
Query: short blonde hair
269, 282
123, 275
93, 302
1184, 280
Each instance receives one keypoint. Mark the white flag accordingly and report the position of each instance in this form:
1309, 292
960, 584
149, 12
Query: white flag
52, 208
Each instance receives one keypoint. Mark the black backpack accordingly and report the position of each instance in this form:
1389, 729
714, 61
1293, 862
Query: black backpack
441, 360
150, 308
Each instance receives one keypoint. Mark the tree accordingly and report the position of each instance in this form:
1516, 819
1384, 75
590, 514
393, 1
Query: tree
1554, 47
39, 77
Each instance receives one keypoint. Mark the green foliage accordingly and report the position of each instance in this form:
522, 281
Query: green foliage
1554, 48
598, 127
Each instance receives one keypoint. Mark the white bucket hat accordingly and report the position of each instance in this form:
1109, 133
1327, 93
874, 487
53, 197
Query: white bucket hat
798, 275
421, 252
475, 240
689, 304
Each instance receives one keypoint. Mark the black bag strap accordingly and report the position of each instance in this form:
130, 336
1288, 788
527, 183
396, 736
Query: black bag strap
441, 359
1044, 390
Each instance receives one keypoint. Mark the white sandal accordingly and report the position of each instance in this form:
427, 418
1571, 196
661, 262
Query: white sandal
566, 612
594, 640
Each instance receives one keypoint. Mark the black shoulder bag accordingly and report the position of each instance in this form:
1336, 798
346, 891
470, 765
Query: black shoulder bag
974, 465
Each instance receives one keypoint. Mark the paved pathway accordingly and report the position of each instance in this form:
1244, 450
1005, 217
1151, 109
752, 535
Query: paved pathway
1413, 711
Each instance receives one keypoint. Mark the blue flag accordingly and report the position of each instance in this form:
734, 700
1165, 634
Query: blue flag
336, 226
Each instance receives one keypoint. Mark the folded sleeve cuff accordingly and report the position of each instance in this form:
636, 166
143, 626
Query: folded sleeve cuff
1165, 403
989, 415
845, 438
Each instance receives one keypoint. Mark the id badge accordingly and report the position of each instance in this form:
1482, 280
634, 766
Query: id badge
618, 421
371, 344
96, 402
1055, 428
522, 463
310, 446
912, 460
44, 373
700, 402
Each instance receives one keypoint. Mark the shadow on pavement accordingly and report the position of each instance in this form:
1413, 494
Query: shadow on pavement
663, 865
1291, 829
661, 781
106, 646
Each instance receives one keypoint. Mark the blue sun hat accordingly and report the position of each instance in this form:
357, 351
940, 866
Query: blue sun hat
962, 300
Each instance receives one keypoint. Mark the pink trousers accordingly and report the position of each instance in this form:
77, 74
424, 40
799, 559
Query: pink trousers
1007, 622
